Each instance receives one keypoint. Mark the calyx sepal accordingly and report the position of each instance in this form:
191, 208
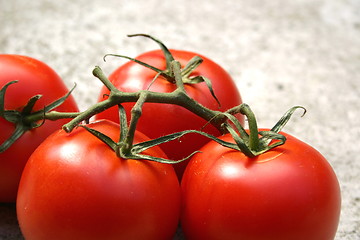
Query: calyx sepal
254, 142
25, 119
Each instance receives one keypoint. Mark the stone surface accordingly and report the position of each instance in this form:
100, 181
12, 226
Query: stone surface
281, 53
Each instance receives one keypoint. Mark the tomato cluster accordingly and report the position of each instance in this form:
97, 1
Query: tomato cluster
162, 119
108, 180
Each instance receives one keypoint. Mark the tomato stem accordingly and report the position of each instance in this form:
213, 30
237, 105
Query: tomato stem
177, 97
253, 128
136, 112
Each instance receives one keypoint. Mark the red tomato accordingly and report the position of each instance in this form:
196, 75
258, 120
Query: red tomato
162, 119
290, 192
75, 187
34, 77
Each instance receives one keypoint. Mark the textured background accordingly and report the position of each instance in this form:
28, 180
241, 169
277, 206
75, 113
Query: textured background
281, 53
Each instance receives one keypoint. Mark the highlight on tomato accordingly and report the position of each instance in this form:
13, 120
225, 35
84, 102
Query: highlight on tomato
75, 186
28, 87
282, 193
204, 80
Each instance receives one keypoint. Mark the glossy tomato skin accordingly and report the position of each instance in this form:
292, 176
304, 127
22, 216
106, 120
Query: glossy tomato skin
161, 119
74, 187
34, 77
290, 192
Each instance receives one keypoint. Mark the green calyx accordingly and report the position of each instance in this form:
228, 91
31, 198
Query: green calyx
26, 119
125, 148
254, 142
167, 73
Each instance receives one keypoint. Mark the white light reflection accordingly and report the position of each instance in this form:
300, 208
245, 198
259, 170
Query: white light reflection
230, 170
69, 153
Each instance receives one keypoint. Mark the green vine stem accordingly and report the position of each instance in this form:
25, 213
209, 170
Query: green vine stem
136, 112
248, 142
251, 142
253, 128
226, 122
177, 97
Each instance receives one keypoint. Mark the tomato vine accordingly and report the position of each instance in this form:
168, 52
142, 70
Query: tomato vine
250, 143
225, 122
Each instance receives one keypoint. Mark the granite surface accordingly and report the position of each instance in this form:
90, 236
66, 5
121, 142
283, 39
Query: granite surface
281, 53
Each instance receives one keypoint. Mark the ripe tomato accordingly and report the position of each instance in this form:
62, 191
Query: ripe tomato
290, 192
162, 119
34, 77
75, 187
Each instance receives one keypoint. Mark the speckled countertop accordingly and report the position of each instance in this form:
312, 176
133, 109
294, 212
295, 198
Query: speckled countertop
281, 53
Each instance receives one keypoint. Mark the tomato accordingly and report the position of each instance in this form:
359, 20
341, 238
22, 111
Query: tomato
162, 119
75, 187
289, 192
34, 77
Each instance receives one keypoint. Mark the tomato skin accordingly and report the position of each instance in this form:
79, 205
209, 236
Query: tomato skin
290, 192
34, 77
74, 187
161, 119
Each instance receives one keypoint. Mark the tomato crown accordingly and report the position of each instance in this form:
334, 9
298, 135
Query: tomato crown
26, 119
125, 148
167, 73
254, 142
